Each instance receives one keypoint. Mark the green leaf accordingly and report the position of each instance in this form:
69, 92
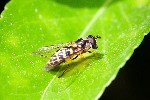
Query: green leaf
26, 25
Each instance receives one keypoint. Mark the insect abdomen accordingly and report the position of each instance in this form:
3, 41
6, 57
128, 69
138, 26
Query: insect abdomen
59, 57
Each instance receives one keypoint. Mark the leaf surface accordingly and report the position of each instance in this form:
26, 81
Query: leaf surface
26, 25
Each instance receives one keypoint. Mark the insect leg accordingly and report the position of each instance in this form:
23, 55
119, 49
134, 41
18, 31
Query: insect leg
75, 57
89, 52
63, 72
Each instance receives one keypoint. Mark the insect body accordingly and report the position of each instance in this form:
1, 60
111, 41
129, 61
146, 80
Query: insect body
69, 50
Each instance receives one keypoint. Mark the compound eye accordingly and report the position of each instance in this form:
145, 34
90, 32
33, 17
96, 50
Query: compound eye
93, 43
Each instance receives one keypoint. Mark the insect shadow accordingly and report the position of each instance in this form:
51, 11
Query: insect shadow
68, 69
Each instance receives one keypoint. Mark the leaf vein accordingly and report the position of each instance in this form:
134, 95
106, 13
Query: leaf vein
95, 17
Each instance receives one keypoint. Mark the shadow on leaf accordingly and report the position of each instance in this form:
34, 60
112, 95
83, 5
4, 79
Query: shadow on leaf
76, 65
84, 3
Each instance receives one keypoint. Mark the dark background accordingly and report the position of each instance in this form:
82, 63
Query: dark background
132, 81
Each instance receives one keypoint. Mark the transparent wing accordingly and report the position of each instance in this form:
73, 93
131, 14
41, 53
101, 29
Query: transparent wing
48, 51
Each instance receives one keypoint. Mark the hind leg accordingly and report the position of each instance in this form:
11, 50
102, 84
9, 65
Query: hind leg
63, 72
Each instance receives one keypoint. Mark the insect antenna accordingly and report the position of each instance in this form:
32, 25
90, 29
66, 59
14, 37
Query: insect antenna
96, 37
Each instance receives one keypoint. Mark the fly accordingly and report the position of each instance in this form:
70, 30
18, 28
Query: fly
65, 51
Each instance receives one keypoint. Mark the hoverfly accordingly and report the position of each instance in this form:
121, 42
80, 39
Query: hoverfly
65, 51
